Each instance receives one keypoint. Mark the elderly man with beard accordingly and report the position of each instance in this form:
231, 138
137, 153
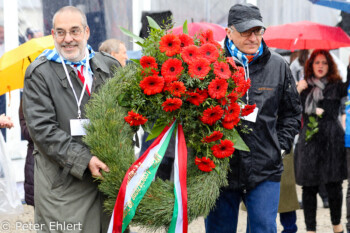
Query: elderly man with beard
57, 86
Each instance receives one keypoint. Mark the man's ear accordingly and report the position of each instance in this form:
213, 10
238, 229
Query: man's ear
228, 32
87, 31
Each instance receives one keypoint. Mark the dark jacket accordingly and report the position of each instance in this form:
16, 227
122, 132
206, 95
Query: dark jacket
64, 187
274, 92
323, 159
29, 165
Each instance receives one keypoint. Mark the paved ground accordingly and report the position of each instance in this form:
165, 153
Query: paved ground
323, 220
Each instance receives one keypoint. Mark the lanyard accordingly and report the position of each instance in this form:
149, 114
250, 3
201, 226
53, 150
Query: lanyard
71, 85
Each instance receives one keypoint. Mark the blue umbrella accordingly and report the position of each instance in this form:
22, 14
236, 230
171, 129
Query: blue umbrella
343, 5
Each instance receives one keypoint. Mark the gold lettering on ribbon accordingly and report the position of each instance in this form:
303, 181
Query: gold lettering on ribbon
157, 159
129, 205
132, 173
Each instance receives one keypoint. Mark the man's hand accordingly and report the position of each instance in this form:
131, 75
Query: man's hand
95, 165
5, 121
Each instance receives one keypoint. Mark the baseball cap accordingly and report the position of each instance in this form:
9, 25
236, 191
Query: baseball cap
244, 17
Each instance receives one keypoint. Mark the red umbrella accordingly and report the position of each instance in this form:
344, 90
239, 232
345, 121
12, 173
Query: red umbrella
306, 35
195, 28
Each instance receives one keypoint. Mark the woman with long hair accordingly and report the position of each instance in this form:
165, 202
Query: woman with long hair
320, 152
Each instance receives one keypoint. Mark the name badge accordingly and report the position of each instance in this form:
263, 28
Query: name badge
77, 126
252, 116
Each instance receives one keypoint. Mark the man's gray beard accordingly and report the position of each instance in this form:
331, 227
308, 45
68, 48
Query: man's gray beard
74, 59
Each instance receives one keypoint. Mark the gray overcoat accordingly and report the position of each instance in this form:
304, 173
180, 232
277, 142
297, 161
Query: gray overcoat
66, 195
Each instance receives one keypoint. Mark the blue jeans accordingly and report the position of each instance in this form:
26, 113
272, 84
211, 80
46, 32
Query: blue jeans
261, 203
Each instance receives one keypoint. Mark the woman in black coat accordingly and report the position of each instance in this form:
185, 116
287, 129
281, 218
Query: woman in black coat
29, 165
320, 158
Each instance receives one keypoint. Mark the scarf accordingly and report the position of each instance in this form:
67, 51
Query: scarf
315, 95
243, 57
53, 55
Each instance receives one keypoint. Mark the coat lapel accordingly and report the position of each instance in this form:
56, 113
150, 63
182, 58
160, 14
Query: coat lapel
101, 72
58, 69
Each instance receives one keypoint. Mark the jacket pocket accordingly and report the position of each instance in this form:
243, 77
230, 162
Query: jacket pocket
62, 176
58, 180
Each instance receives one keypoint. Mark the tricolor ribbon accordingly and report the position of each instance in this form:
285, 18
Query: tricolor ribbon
140, 175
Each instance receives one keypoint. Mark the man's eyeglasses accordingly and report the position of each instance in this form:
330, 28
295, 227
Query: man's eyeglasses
257, 32
61, 34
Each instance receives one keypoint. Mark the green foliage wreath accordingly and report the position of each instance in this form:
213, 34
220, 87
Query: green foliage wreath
110, 138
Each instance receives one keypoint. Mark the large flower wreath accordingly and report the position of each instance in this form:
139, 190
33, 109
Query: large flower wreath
178, 77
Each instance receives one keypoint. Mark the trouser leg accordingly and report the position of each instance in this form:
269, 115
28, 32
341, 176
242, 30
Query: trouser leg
310, 206
288, 221
335, 198
223, 218
348, 191
262, 206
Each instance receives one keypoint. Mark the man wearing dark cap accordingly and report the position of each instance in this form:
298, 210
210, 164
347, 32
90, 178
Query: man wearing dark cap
255, 176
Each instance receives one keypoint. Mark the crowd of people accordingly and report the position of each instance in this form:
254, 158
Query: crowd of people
304, 98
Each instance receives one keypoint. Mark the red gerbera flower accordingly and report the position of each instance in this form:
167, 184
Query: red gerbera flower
197, 97
206, 36
239, 74
242, 87
135, 119
199, 68
203, 94
172, 67
231, 118
230, 61
224, 149
246, 85
204, 164
190, 53
217, 88
233, 97
248, 109
222, 70
212, 115
232, 112
148, 61
230, 124
167, 81
177, 88
216, 135
170, 44
152, 85
194, 98
216, 44
185, 40
209, 52
171, 104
